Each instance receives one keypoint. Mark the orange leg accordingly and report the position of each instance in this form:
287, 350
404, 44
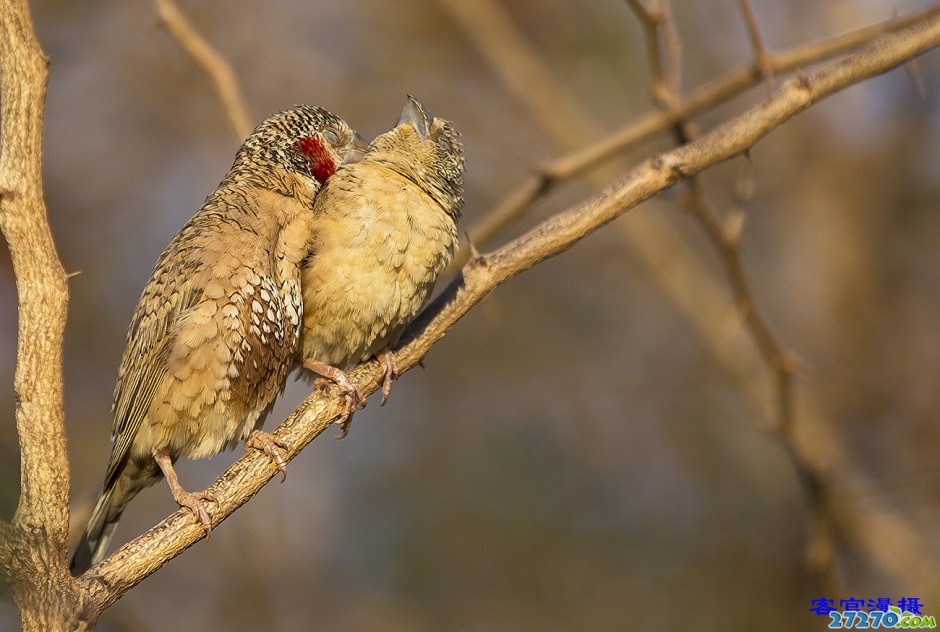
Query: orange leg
191, 500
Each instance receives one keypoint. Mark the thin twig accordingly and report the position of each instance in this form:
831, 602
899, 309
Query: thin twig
782, 367
672, 51
143, 555
650, 19
917, 79
764, 59
211, 62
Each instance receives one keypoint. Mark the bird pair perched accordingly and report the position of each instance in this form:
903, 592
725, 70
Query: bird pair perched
315, 250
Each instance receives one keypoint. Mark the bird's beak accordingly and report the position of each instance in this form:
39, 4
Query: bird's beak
356, 150
417, 116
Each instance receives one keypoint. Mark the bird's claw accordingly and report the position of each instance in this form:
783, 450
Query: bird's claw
345, 421
390, 364
355, 400
194, 501
191, 500
270, 445
350, 390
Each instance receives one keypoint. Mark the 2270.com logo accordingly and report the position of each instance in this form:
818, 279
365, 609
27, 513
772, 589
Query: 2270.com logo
893, 617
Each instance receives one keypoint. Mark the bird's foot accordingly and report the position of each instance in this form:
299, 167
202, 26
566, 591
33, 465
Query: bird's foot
194, 501
387, 358
191, 500
270, 445
354, 398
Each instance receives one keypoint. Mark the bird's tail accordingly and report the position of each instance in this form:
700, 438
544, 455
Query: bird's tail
118, 491
98, 533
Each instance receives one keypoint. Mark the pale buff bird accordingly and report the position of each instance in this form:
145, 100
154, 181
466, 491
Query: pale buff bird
383, 229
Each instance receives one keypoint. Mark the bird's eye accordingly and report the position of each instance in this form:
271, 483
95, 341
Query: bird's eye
331, 135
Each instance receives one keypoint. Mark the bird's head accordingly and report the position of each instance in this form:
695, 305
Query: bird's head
297, 149
427, 151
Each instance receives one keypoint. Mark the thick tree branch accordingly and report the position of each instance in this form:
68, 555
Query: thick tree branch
140, 557
33, 546
40, 279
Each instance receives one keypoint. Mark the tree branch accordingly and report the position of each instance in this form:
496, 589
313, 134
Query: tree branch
40, 279
701, 99
33, 546
142, 556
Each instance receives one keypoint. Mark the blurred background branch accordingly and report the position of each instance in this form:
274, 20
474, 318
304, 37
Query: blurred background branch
710, 95
214, 65
762, 58
725, 236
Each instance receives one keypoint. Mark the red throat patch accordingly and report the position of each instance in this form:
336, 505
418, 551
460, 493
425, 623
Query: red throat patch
321, 162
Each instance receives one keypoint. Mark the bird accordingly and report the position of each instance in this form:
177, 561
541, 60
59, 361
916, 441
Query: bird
216, 327
384, 229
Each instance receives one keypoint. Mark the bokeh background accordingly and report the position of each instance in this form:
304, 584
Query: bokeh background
586, 450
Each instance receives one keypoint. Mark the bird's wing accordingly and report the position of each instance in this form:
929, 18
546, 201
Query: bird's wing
169, 294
